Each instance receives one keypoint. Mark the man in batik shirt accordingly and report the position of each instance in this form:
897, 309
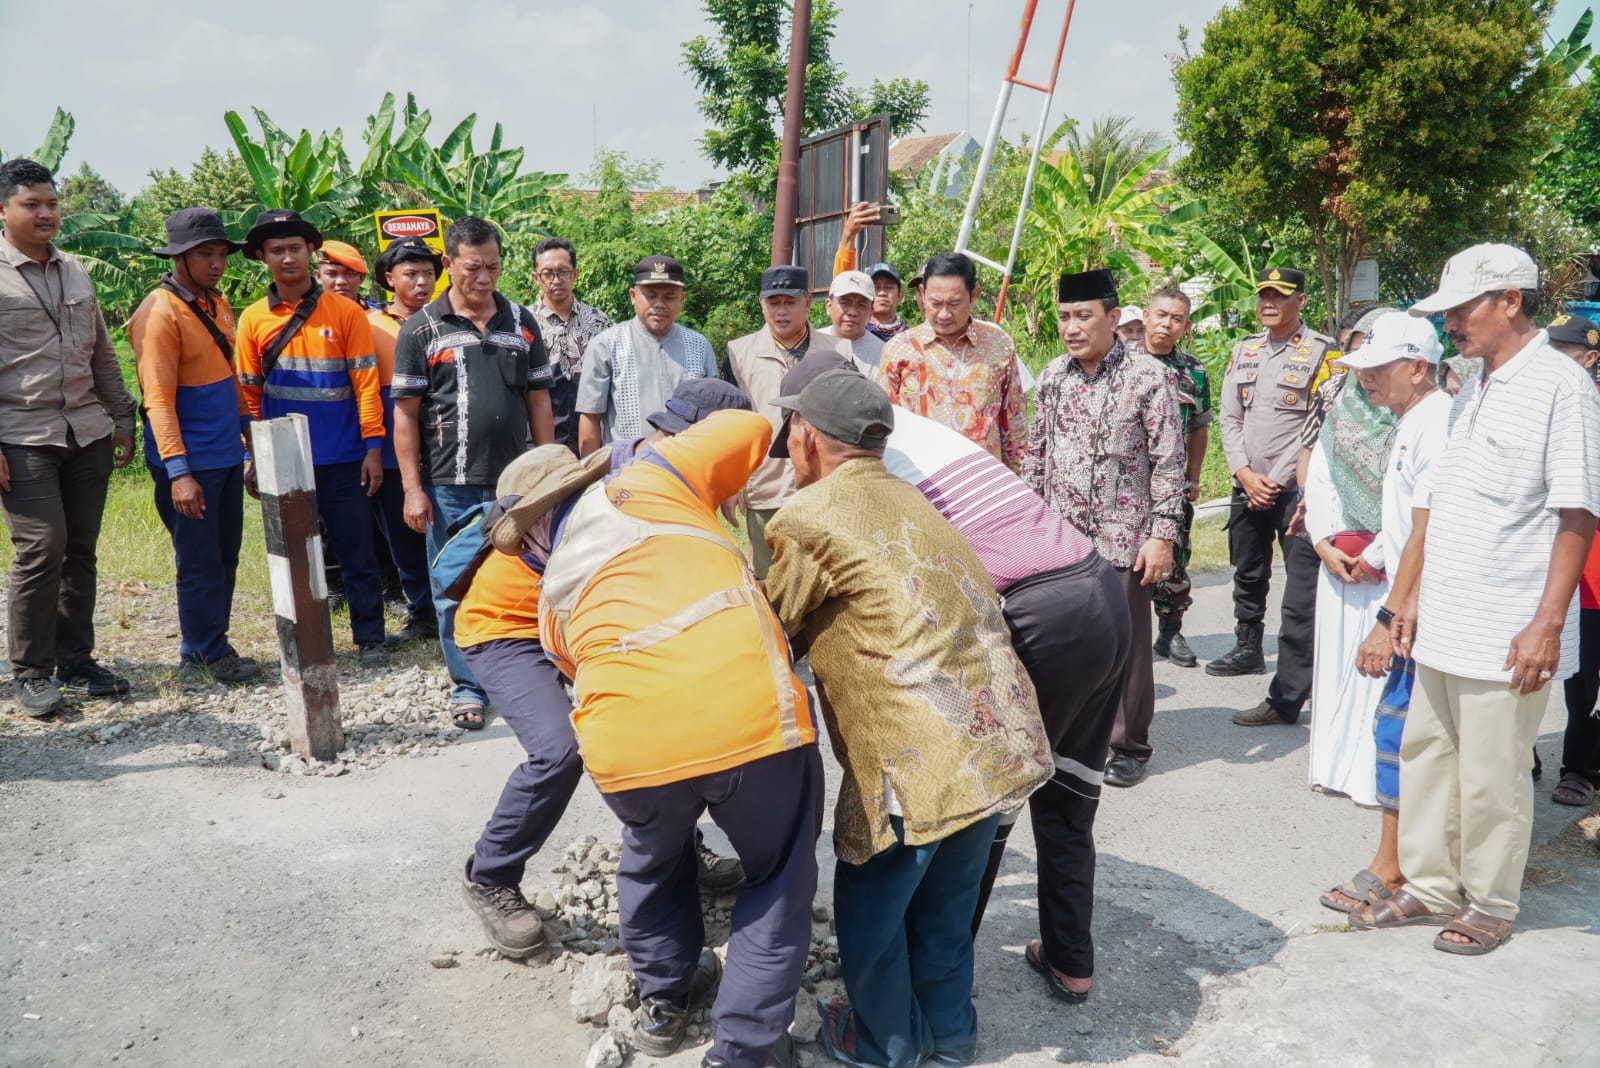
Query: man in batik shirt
1107, 454
1165, 321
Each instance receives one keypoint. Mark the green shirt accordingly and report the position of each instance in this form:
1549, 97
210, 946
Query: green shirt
1194, 389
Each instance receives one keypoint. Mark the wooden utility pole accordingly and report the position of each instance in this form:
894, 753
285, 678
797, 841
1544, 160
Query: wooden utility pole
282, 452
794, 111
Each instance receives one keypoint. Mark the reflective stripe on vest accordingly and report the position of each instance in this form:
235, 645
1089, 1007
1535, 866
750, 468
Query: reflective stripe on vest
598, 532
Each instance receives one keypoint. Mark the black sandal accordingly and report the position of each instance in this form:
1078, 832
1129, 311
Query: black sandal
467, 715
1035, 957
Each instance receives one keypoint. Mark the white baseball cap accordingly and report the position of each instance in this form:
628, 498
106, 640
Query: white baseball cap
857, 282
1480, 269
1395, 336
1131, 313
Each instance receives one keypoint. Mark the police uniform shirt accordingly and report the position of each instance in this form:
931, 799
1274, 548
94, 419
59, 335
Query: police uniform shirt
1265, 397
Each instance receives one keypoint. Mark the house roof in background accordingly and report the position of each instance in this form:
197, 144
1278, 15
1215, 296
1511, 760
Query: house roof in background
910, 154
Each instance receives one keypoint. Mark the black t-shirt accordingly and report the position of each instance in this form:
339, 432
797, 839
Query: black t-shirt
474, 388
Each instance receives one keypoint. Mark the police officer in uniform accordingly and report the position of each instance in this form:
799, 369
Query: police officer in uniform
1265, 396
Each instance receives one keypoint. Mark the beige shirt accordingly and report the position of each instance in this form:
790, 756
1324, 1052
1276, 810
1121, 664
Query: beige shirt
1265, 396
930, 711
757, 364
58, 371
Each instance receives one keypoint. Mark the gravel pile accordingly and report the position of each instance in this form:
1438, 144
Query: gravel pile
580, 918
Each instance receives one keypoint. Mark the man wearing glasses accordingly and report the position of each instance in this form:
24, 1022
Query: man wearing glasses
566, 326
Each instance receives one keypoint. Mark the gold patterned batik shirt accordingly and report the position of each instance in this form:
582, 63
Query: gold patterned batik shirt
930, 712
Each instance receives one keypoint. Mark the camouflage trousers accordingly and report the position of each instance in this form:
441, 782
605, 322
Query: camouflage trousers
1173, 597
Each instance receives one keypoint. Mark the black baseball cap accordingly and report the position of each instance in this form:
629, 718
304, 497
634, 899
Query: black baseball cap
696, 398
798, 378
785, 281
842, 403
658, 271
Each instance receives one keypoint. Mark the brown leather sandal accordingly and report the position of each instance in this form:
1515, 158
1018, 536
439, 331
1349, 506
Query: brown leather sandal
1401, 910
1488, 933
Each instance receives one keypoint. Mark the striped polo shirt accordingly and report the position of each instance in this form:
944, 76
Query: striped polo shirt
1015, 534
1524, 444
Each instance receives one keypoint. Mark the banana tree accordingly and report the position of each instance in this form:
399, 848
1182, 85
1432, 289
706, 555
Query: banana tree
312, 176
49, 154
1230, 295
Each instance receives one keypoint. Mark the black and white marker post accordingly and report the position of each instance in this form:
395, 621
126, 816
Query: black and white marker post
282, 452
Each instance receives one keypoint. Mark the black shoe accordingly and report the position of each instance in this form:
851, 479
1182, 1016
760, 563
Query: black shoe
662, 1023
1538, 766
230, 669
1245, 658
783, 1055
416, 630
509, 922
1124, 769
88, 679
1170, 644
718, 875
38, 697
374, 655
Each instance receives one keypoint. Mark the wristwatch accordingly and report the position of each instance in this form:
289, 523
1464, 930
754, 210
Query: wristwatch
1385, 617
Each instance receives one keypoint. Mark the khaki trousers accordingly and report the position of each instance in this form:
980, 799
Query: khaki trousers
1466, 762
755, 525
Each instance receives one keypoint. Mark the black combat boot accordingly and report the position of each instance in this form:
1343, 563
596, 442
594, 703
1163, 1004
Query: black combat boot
1245, 657
1170, 643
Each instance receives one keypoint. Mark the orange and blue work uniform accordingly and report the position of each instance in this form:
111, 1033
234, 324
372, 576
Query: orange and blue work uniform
407, 548
329, 374
194, 418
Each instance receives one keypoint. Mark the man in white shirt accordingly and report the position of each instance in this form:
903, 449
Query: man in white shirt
1399, 369
849, 308
1510, 517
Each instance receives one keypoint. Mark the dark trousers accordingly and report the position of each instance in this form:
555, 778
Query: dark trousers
1175, 593
1250, 538
407, 548
1071, 631
347, 524
526, 689
1580, 747
905, 945
771, 810
58, 495
207, 554
1136, 709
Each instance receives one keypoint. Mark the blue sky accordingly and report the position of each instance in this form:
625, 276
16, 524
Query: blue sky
149, 85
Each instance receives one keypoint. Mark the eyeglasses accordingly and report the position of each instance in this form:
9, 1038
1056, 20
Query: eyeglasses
564, 274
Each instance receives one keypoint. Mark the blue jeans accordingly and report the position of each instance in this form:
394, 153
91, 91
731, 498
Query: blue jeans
450, 502
407, 548
347, 524
771, 811
207, 553
527, 691
904, 919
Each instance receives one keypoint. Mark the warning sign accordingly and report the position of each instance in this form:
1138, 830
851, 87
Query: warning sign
416, 222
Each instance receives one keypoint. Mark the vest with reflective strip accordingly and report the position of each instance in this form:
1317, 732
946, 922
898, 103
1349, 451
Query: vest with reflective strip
598, 532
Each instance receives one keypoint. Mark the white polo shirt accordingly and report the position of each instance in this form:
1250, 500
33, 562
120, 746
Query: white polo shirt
1524, 443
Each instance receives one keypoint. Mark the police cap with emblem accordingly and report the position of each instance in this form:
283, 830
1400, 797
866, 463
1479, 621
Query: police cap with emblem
1285, 280
1574, 330
658, 271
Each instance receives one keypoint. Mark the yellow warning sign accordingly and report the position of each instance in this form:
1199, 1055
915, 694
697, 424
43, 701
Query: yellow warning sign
415, 222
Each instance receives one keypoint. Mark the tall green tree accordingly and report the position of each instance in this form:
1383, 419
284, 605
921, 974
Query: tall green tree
1374, 123
742, 74
85, 190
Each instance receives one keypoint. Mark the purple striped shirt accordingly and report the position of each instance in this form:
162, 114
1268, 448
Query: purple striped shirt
1012, 530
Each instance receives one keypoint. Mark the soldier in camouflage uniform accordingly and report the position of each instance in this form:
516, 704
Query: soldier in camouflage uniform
1166, 319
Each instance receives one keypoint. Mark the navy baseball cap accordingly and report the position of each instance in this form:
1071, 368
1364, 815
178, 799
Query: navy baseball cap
785, 281
883, 268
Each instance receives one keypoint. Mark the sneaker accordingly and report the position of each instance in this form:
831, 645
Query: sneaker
374, 655
230, 669
662, 1023
718, 874
509, 922
38, 697
88, 679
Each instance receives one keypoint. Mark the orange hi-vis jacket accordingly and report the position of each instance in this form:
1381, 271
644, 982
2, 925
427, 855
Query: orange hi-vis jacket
680, 667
